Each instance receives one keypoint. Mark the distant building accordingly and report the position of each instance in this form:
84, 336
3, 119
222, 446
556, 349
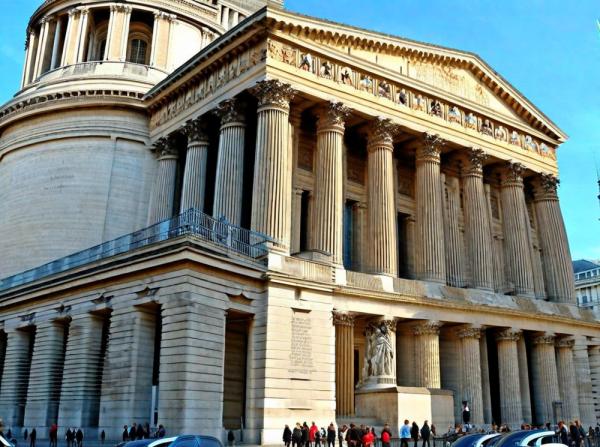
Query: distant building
587, 282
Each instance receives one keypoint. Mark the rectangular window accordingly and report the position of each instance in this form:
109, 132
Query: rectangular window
348, 231
304, 206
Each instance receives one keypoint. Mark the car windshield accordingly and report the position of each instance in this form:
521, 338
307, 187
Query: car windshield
516, 438
139, 443
467, 441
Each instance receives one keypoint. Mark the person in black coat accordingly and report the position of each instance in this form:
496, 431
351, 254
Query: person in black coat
425, 434
140, 432
331, 435
562, 432
32, 438
79, 437
414, 432
297, 435
305, 435
287, 436
125, 433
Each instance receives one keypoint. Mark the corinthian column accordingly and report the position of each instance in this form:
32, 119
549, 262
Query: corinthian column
455, 271
556, 257
272, 190
477, 224
430, 220
471, 371
427, 354
508, 372
118, 32
381, 227
516, 237
524, 381
567, 379
329, 182
344, 363
229, 184
163, 191
545, 378
194, 176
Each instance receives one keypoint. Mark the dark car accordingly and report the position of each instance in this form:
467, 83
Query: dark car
196, 441
152, 442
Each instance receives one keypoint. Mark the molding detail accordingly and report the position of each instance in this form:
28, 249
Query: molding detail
342, 318
565, 343
544, 339
165, 148
470, 332
546, 187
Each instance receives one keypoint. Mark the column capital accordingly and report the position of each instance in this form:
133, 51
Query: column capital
342, 318
381, 134
119, 7
430, 327
195, 130
273, 94
510, 334
430, 149
547, 338
72, 12
231, 111
565, 342
470, 331
332, 116
161, 15
473, 162
512, 174
545, 187
165, 148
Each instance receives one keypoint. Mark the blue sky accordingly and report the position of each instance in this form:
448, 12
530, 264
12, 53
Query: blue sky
548, 49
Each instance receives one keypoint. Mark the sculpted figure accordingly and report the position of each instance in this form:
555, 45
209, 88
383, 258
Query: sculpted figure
471, 121
385, 90
366, 370
530, 145
419, 103
326, 70
454, 115
403, 97
514, 138
366, 83
486, 128
382, 351
544, 149
346, 76
306, 62
436, 108
500, 133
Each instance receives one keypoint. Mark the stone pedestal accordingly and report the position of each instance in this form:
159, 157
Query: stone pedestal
515, 224
329, 182
194, 177
427, 354
45, 380
229, 183
471, 372
80, 391
477, 224
15, 376
344, 363
545, 378
163, 191
556, 256
381, 203
508, 372
567, 379
430, 256
272, 191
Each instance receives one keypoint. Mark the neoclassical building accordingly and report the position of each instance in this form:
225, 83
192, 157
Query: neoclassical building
217, 214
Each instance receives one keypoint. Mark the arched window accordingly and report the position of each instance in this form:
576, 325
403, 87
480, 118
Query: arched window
138, 50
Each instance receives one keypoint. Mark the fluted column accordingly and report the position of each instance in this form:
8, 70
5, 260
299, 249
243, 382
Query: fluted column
82, 34
69, 55
15, 375
56, 44
271, 197
556, 256
477, 223
381, 227
42, 47
47, 363
430, 223
515, 225
455, 271
31, 47
118, 32
524, 381
163, 191
545, 378
229, 183
427, 354
485, 380
194, 177
471, 371
567, 379
344, 363
82, 373
508, 373
328, 216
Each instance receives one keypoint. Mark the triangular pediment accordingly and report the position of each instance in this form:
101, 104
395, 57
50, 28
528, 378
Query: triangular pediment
460, 74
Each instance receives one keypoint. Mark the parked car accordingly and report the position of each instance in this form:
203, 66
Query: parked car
527, 438
475, 440
151, 442
5, 443
196, 441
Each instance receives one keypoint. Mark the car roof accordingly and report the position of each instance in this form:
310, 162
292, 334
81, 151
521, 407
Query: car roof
467, 440
158, 441
139, 443
512, 438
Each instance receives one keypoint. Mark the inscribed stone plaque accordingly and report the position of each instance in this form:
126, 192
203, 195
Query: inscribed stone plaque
301, 363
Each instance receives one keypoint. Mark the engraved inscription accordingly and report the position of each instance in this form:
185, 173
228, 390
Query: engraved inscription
301, 345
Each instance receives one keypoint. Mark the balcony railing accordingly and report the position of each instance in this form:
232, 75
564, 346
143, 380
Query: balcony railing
218, 233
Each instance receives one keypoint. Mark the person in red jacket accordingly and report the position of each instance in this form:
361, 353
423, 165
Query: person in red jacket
368, 439
312, 433
386, 436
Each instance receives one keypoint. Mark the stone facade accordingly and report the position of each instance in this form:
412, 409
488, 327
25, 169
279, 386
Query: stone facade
363, 241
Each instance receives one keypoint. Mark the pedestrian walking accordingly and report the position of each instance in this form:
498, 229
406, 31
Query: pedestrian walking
353, 436
414, 433
231, 438
404, 434
305, 435
69, 436
368, 439
562, 432
287, 436
125, 435
102, 437
425, 434
53, 435
79, 437
312, 433
386, 436
32, 438
297, 435
331, 435
161, 432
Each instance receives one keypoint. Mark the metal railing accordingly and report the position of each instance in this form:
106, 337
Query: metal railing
191, 222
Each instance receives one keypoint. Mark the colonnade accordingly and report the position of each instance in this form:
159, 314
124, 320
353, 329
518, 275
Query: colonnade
440, 242
553, 392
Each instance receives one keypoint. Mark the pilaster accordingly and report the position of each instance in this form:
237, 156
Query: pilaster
427, 354
118, 32
344, 363
161, 39
194, 177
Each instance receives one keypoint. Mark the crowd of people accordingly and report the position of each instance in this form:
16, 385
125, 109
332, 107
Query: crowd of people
139, 431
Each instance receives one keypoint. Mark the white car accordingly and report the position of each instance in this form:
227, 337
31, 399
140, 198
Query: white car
4, 442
